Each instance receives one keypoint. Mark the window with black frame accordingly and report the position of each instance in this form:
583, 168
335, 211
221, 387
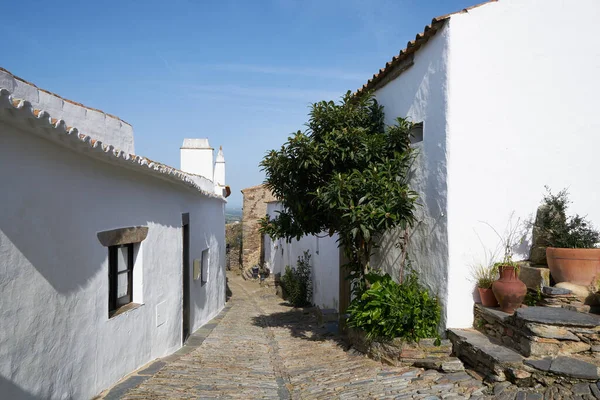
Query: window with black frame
120, 277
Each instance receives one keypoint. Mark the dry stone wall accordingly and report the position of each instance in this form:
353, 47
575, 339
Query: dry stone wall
255, 207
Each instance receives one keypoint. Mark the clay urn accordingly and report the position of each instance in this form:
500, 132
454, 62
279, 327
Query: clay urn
488, 299
578, 266
509, 289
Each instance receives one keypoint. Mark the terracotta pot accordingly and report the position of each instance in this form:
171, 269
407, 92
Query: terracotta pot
509, 290
578, 266
488, 299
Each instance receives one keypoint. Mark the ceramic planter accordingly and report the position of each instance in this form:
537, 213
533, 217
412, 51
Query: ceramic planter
488, 299
578, 266
509, 289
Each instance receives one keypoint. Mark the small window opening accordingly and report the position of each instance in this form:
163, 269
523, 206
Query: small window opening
120, 278
416, 133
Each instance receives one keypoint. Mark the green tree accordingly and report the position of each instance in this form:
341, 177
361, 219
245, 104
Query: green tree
347, 173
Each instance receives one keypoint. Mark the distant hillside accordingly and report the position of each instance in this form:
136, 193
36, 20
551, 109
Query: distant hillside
233, 214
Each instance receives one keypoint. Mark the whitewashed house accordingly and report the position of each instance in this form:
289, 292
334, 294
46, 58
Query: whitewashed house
108, 260
508, 96
324, 258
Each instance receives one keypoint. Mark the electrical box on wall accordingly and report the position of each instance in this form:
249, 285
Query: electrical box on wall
205, 266
197, 268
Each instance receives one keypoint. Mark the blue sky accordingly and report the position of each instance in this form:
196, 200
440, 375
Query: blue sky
241, 73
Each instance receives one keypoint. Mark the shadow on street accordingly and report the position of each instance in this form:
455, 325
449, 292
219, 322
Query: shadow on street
301, 323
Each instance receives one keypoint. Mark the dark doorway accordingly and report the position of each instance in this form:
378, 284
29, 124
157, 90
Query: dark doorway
186, 276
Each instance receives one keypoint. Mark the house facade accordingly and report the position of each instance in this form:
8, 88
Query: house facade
506, 94
108, 260
324, 258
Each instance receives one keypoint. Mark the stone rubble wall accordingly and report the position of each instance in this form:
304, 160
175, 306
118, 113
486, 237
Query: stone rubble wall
234, 249
541, 239
535, 339
563, 298
254, 208
424, 354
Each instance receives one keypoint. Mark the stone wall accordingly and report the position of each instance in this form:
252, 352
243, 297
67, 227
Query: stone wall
233, 238
541, 331
255, 207
425, 354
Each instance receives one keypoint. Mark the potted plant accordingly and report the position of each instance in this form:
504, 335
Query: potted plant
509, 290
572, 242
484, 276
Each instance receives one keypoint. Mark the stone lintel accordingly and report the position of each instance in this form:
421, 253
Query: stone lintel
115, 237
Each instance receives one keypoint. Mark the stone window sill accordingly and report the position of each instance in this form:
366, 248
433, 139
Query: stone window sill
123, 309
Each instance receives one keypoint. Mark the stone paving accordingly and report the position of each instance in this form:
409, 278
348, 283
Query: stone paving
261, 348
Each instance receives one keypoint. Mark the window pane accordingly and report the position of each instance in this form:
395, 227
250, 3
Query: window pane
122, 301
122, 258
122, 285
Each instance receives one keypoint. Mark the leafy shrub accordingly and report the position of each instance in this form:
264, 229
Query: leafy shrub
562, 231
389, 310
347, 173
484, 275
297, 282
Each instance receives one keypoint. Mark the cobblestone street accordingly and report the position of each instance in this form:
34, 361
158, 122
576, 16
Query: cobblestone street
262, 348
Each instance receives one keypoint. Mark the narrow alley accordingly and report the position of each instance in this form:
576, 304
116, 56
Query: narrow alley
261, 348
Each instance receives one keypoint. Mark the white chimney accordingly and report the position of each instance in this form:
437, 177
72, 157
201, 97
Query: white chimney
197, 157
219, 177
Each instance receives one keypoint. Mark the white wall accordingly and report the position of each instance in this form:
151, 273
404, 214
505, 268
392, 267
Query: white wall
196, 157
56, 340
219, 173
420, 93
97, 124
522, 113
324, 260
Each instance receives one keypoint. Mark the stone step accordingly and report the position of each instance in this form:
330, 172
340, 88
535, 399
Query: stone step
534, 345
567, 367
484, 355
556, 316
542, 331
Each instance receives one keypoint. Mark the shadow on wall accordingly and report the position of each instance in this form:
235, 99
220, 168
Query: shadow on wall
422, 98
9, 390
50, 213
425, 240
201, 295
56, 203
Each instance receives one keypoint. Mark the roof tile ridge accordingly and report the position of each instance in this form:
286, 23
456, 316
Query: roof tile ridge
61, 127
62, 98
